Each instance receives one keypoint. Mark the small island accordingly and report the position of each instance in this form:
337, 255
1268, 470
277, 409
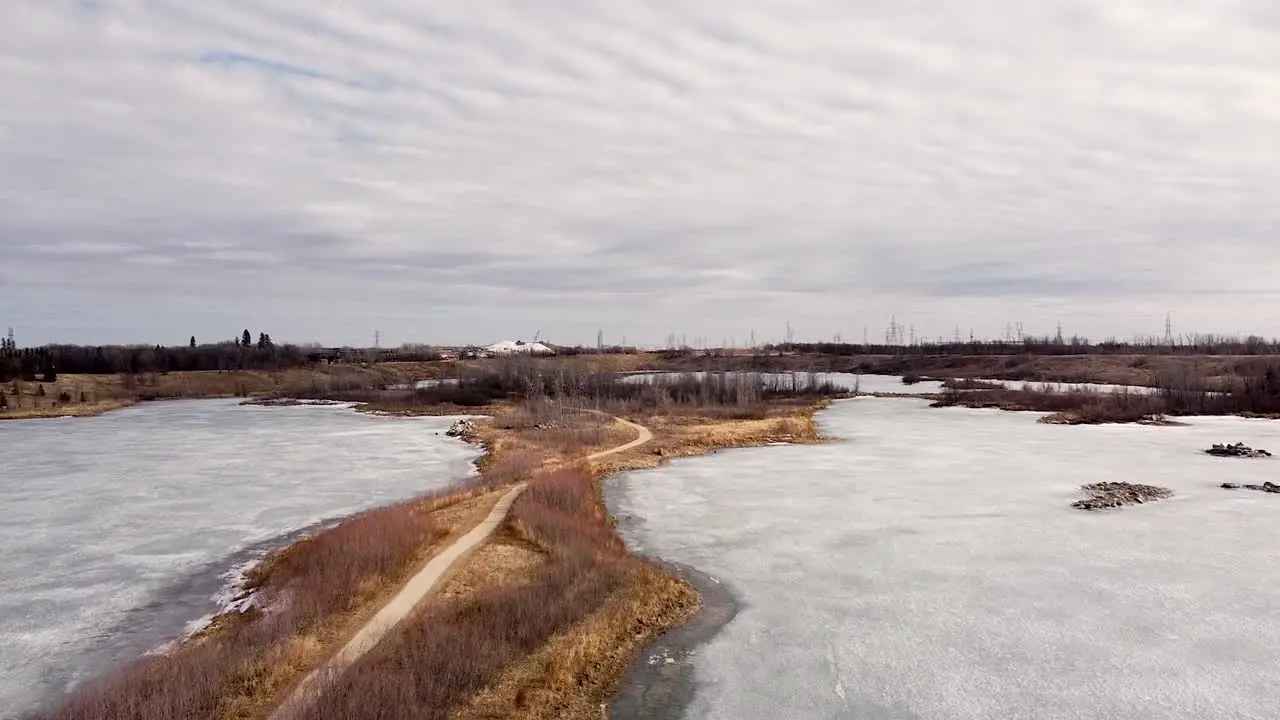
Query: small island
1105, 495
1237, 450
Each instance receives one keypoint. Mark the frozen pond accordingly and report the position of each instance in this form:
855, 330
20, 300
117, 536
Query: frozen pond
1067, 386
893, 383
116, 528
929, 566
845, 381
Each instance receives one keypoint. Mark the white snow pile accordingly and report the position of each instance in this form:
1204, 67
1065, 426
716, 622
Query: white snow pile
511, 347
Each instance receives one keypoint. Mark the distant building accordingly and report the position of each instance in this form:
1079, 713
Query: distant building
517, 347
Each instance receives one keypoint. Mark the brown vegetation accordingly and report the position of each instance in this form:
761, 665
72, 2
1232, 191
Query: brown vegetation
85, 395
457, 647
1178, 390
1071, 407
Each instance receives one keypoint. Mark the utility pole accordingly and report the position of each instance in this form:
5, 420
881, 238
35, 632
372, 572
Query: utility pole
377, 339
600, 340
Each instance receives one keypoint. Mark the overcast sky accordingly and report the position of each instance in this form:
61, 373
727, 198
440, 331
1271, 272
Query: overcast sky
469, 171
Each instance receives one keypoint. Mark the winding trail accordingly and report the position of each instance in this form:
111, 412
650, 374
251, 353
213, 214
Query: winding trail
419, 586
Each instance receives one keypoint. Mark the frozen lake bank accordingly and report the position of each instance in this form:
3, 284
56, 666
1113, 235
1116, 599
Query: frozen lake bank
117, 526
929, 565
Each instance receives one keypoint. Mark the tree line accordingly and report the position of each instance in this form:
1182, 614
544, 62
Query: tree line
242, 353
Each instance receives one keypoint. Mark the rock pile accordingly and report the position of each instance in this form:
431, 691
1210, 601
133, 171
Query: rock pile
461, 428
1118, 494
1264, 487
1237, 450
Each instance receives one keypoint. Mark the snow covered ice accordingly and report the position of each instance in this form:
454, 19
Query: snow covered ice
928, 565
117, 528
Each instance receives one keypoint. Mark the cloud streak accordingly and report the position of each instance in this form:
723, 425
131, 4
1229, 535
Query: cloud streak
462, 173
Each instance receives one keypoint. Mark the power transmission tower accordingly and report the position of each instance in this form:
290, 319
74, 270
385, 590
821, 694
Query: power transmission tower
1168, 328
600, 340
377, 339
1019, 332
1058, 338
955, 336
894, 335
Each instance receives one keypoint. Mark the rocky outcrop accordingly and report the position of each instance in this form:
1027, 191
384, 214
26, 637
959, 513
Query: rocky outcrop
461, 429
1119, 494
1237, 450
1269, 487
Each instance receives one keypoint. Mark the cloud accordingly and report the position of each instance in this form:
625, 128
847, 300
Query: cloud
462, 173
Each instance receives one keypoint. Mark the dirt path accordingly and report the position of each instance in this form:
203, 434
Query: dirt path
418, 587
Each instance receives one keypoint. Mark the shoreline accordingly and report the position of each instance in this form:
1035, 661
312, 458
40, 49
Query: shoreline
86, 410
177, 613
660, 683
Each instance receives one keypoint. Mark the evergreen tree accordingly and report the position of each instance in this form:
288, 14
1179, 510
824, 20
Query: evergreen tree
246, 339
193, 341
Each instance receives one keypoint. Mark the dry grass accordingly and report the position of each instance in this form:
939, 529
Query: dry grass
460, 644
40, 408
573, 674
544, 435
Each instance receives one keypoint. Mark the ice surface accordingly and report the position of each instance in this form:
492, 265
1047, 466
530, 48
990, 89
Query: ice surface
893, 383
115, 529
844, 381
929, 566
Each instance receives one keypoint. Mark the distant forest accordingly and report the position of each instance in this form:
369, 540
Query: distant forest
244, 353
